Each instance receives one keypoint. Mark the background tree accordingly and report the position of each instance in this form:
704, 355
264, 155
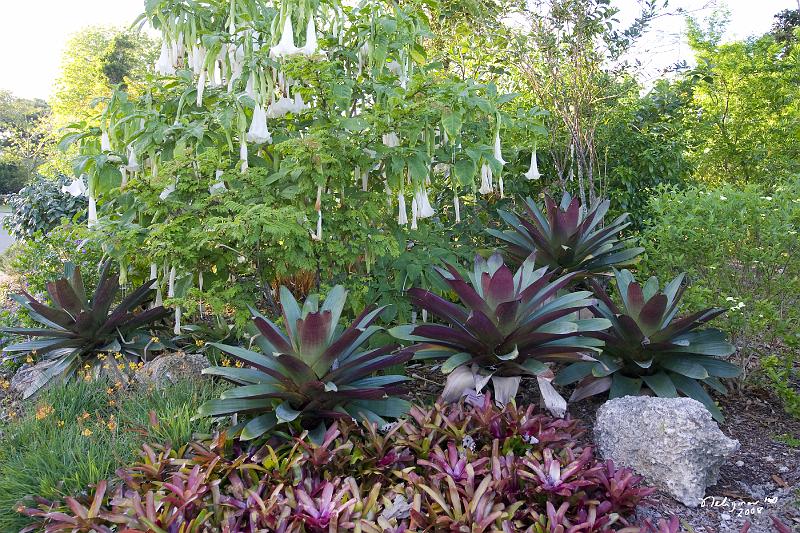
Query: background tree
24, 140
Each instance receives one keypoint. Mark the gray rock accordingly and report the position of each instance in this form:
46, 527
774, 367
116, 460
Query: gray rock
172, 368
672, 442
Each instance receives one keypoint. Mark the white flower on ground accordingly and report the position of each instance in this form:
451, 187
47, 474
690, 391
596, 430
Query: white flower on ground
259, 133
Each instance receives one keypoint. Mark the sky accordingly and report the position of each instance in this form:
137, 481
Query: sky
29, 63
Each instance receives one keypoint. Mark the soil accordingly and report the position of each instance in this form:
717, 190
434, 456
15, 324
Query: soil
764, 474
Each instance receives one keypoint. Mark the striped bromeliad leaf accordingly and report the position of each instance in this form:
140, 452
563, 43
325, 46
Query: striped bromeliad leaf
312, 372
506, 326
75, 329
649, 346
567, 237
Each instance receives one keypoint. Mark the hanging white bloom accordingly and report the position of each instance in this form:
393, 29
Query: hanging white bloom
259, 133
402, 217
217, 187
124, 173
395, 68
243, 154
414, 213
133, 162
424, 208
280, 107
311, 45
76, 188
498, 151
197, 59
153, 271
171, 285
164, 64
201, 87
318, 207
533, 172
169, 189
299, 104
500, 186
178, 314
250, 88
92, 211
286, 47
457, 207
486, 179
105, 142
391, 139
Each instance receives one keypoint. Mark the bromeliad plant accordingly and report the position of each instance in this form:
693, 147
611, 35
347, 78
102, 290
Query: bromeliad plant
509, 325
649, 346
76, 331
314, 372
566, 238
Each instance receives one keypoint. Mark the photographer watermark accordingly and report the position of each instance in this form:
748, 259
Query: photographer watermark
738, 508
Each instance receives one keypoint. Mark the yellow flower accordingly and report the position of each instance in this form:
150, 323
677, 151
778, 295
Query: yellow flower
44, 411
112, 403
101, 356
226, 361
121, 366
110, 390
86, 432
214, 269
117, 355
239, 364
112, 424
61, 423
5, 384
29, 359
85, 415
132, 365
200, 342
155, 340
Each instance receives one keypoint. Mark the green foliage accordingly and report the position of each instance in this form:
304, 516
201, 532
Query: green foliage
24, 141
782, 375
313, 373
79, 332
747, 113
79, 433
568, 237
41, 206
649, 345
739, 246
507, 326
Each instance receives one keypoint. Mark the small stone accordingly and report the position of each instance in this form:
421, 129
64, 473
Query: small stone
172, 368
783, 469
769, 459
634, 431
739, 463
725, 516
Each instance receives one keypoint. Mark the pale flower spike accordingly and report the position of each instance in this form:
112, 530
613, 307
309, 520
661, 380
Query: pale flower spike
457, 207
424, 208
92, 211
164, 64
286, 47
76, 188
533, 172
105, 142
311, 45
243, 157
414, 210
133, 162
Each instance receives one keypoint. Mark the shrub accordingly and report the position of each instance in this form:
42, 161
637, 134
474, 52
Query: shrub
444, 469
41, 206
649, 345
81, 333
739, 246
508, 326
313, 373
77, 433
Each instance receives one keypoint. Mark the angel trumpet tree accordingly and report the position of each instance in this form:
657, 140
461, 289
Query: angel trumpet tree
507, 325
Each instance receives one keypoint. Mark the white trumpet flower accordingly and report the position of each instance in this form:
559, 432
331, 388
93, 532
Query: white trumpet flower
500, 186
171, 285
424, 208
92, 211
457, 207
178, 314
250, 88
286, 47
486, 179
105, 142
414, 213
312, 44
533, 172
498, 151
169, 189
217, 187
124, 173
243, 154
76, 188
402, 217
201, 87
153, 271
258, 132
164, 64
197, 59
133, 163
391, 139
